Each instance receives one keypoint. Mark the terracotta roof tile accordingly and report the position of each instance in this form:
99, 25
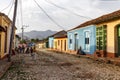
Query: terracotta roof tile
104, 18
60, 34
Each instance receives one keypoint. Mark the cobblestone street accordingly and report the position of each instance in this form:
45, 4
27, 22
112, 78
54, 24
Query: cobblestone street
57, 66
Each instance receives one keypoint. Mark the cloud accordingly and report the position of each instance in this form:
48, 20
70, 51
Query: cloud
37, 20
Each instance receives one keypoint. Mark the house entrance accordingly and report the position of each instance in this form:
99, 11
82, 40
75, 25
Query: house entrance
76, 42
118, 38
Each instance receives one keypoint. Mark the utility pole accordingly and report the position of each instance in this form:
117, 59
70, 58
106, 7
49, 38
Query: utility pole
12, 31
23, 27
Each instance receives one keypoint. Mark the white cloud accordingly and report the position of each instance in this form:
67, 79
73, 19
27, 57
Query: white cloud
37, 20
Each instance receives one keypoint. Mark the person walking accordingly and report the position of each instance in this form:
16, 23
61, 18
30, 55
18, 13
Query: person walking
23, 48
34, 54
27, 50
20, 49
31, 50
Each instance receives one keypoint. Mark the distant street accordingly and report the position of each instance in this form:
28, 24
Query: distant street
58, 66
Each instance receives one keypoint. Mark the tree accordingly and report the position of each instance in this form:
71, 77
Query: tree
22, 41
37, 40
33, 40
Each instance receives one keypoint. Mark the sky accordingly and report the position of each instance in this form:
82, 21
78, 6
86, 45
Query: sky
68, 14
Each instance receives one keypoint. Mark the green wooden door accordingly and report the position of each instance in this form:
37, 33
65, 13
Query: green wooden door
118, 40
101, 38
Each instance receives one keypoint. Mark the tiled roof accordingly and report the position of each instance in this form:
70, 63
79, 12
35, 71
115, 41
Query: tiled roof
108, 17
2, 14
60, 34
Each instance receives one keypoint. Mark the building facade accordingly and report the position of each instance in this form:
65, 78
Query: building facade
5, 28
108, 35
84, 38
51, 42
17, 41
58, 41
60, 44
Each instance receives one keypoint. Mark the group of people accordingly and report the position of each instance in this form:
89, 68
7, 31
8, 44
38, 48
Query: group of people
23, 49
27, 50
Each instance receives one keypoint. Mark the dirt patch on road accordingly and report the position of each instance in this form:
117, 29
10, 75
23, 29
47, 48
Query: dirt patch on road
65, 64
85, 75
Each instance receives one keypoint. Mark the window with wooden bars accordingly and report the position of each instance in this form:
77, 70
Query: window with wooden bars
101, 37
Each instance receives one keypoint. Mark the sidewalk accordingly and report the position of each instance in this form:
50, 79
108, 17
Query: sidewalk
4, 65
114, 61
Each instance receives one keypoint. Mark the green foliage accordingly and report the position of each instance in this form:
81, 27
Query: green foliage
22, 41
35, 40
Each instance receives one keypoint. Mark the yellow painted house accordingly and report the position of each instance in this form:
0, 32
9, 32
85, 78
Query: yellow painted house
41, 45
108, 34
60, 41
5, 27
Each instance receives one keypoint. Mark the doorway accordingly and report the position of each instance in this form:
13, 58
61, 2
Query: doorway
61, 45
76, 42
118, 39
65, 46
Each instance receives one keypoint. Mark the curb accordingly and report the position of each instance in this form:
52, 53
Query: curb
97, 59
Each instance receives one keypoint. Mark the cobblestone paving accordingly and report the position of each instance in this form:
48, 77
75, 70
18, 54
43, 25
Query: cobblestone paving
56, 66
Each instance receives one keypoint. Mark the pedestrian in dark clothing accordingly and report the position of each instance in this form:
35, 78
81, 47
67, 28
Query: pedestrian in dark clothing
13, 52
31, 50
27, 50
20, 49
34, 54
16, 49
23, 48
80, 51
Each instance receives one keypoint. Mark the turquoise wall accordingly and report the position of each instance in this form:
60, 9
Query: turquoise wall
81, 34
51, 40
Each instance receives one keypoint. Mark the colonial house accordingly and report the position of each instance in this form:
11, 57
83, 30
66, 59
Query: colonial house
5, 24
17, 40
108, 34
82, 37
42, 44
51, 42
60, 41
5, 30
100, 36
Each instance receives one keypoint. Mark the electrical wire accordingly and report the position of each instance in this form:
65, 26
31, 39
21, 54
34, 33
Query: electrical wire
67, 10
19, 15
21, 12
7, 6
49, 16
10, 9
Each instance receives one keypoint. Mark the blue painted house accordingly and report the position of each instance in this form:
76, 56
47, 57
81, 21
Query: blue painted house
51, 42
84, 37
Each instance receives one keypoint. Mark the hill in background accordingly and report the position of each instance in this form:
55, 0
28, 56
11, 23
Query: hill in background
37, 34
